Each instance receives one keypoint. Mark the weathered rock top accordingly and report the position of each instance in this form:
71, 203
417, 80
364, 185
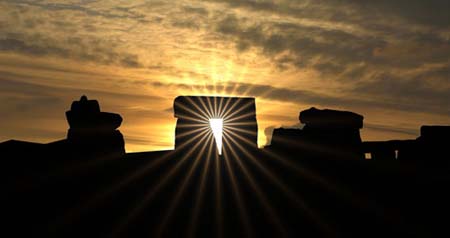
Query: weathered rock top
198, 106
86, 114
327, 118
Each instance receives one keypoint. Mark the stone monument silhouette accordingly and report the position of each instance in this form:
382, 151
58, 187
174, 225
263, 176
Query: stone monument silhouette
238, 115
93, 131
326, 134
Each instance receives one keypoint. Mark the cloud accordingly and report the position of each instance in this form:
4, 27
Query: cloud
11, 86
14, 45
268, 131
415, 93
372, 50
111, 13
374, 55
332, 50
392, 129
80, 49
301, 46
44, 32
196, 10
433, 12
330, 36
297, 96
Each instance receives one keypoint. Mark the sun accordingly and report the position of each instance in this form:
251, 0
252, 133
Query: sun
216, 125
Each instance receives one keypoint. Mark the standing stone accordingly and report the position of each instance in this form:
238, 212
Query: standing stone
433, 143
193, 114
328, 134
331, 119
334, 133
92, 131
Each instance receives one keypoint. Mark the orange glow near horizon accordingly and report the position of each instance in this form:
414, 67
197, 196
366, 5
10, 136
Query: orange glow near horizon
52, 52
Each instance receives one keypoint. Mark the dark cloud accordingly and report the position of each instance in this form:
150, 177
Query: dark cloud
48, 67
119, 13
88, 49
431, 12
377, 57
15, 45
303, 44
28, 104
196, 10
186, 23
380, 33
254, 5
409, 92
131, 61
392, 129
9, 85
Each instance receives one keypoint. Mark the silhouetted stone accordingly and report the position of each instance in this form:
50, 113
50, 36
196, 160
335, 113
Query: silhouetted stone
333, 132
239, 121
434, 133
86, 114
326, 118
433, 143
93, 131
327, 134
408, 150
286, 137
158, 194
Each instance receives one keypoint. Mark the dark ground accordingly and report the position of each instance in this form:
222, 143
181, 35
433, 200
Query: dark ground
255, 194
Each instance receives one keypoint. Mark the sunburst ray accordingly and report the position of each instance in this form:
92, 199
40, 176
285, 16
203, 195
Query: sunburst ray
237, 195
218, 196
200, 194
150, 194
229, 114
274, 217
206, 112
301, 204
181, 189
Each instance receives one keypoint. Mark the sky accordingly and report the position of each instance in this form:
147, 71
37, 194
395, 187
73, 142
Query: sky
387, 60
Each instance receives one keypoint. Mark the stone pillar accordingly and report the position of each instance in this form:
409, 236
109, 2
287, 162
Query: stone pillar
333, 133
327, 134
433, 143
92, 131
239, 122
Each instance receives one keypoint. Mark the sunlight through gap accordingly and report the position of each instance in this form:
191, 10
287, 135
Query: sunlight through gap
216, 125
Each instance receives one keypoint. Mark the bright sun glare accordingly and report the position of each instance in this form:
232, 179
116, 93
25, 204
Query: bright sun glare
216, 125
